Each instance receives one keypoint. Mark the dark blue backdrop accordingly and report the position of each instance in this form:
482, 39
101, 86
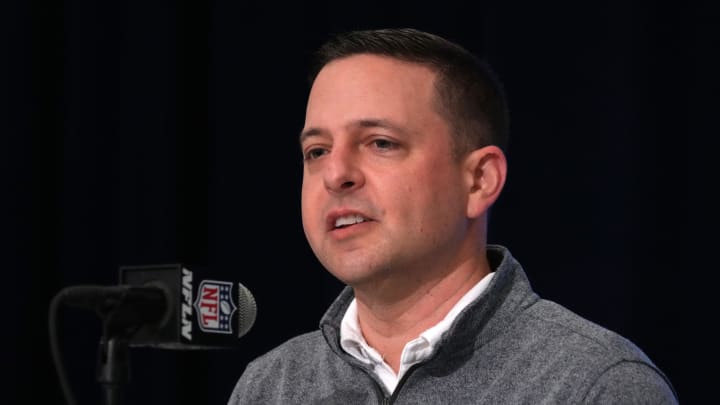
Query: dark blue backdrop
152, 132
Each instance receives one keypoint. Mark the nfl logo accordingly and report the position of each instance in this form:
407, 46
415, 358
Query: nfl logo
214, 306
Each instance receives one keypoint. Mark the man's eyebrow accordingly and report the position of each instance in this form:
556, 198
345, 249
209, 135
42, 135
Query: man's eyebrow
310, 132
360, 123
376, 123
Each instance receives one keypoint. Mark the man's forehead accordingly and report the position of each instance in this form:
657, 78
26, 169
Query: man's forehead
372, 123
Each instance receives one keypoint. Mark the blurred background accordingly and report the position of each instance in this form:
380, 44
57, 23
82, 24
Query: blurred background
149, 132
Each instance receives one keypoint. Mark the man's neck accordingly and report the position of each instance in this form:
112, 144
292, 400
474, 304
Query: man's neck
388, 325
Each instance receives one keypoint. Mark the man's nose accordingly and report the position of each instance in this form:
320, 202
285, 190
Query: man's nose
343, 172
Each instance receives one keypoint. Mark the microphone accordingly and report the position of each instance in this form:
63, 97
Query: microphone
170, 307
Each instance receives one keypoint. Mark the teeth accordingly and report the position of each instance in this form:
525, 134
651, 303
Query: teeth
348, 220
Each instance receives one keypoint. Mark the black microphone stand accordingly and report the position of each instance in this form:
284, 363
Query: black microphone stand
113, 369
123, 315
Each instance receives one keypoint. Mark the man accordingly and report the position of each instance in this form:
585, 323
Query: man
403, 159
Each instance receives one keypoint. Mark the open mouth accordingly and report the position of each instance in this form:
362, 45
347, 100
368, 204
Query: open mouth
348, 220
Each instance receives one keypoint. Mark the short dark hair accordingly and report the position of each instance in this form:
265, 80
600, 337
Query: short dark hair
469, 94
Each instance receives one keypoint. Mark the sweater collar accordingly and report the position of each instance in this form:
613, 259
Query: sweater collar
509, 292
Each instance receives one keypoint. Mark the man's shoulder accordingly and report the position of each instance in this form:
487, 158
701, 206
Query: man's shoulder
572, 332
296, 348
284, 361
272, 376
557, 348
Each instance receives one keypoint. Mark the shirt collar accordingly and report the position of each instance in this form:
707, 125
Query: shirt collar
415, 351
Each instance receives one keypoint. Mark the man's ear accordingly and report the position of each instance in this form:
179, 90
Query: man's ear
485, 171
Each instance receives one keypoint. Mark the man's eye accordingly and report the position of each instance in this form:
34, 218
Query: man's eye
384, 144
314, 153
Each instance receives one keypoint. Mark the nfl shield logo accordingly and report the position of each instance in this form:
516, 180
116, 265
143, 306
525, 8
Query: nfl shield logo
214, 306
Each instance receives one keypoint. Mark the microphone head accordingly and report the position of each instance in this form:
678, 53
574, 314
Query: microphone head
203, 312
247, 310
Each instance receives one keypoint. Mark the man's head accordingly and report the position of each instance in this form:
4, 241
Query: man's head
468, 94
389, 195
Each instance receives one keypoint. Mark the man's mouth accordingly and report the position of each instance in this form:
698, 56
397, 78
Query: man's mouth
347, 220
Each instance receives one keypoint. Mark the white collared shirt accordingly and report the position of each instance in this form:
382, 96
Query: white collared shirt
415, 351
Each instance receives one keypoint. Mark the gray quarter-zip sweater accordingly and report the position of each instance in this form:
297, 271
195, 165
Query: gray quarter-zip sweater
509, 346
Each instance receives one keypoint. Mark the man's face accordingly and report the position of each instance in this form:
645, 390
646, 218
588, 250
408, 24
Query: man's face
382, 194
